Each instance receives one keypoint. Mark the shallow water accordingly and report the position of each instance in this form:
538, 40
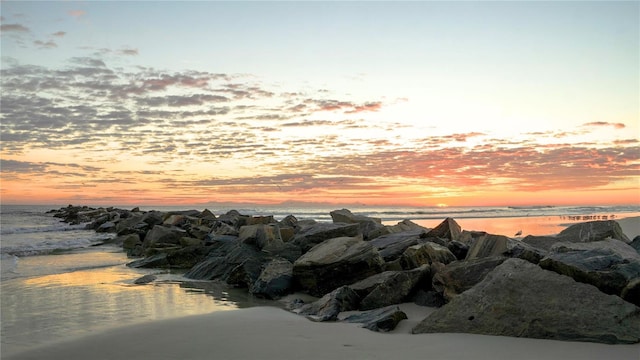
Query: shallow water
54, 297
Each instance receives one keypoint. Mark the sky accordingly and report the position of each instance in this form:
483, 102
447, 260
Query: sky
376, 103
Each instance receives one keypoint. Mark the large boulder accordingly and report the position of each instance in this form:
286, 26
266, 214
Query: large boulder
448, 229
336, 262
610, 265
460, 276
580, 233
161, 236
593, 231
380, 320
389, 287
490, 245
316, 233
520, 299
275, 280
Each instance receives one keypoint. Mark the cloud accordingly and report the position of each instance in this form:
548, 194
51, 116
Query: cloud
205, 128
128, 51
77, 13
14, 28
605, 123
59, 34
50, 44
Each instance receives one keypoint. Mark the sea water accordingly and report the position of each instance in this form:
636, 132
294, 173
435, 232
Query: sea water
56, 284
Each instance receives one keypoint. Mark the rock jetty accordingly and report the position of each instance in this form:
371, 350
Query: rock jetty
580, 285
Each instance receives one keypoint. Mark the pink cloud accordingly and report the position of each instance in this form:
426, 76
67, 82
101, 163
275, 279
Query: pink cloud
14, 28
77, 13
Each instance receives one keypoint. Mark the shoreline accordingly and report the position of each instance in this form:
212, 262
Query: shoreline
270, 332
273, 333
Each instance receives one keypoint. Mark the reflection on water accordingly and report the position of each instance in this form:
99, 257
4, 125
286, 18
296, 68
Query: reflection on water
532, 225
47, 308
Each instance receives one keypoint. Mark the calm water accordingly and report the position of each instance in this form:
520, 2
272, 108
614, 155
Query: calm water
55, 285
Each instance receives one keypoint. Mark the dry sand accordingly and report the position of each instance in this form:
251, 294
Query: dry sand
273, 333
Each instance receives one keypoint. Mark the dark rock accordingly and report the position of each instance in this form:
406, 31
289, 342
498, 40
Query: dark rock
289, 221
207, 214
429, 298
380, 320
161, 236
458, 277
406, 225
275, 280
145, 279
199, 231
234, 262
260, 220
636, 243
264, 237
319, 232
155, 261
330, 305
130, 241
391, 246
389, 287
153, 218
498, 245
520, 299
108, 226
458, 249
370, 227
425, 253
336, 262
469, 237
233, 218
448, 229
610, 265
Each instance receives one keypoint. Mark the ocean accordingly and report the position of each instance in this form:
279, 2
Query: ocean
56, 284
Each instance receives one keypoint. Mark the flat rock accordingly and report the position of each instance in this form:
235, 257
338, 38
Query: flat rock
328, 307
391, 246
520, 299
316, 233
380, 320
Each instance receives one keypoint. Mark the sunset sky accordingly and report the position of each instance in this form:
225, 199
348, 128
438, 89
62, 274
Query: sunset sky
389, 103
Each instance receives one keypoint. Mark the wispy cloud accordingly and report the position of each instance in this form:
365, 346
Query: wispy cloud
14, 28
605, 123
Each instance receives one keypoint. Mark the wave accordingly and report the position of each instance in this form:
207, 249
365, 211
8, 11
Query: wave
8, 230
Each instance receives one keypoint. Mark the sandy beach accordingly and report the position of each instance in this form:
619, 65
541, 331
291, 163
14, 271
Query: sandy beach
273, 333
